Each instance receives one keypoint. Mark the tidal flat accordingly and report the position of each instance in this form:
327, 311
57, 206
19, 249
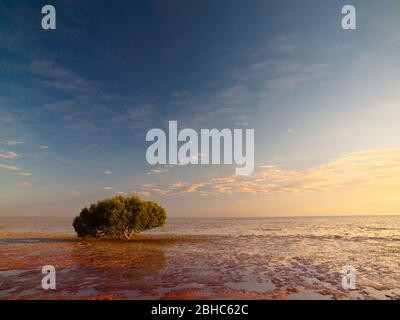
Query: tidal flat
219, 258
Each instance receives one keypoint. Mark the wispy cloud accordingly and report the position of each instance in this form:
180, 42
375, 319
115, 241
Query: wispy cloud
107, 188
9, 167
269, 73
15, 169
57, 77
25, 184
368, 171
25, 174
44, 147
134, 117
142, 193
294, 74
14, 142
73, 193
108, 172
282, 45
157, 171
8, 154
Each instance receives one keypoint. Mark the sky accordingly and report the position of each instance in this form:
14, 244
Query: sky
76, 104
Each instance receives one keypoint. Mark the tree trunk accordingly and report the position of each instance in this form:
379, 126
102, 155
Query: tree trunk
127, 235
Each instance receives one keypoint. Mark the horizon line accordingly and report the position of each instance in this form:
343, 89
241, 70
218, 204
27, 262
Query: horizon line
239, 217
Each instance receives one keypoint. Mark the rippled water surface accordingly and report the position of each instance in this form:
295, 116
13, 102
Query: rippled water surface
260, 258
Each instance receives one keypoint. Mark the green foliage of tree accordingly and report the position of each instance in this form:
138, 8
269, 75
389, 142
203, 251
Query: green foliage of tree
119, 217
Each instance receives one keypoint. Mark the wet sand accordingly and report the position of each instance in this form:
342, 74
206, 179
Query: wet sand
109, 269
173, 266
86, 268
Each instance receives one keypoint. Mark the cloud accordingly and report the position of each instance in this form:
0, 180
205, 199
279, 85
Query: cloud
8, 154
120, 193
73, 193
44, 147
157, 171
15, 169
57, 77
9, 167
25, 174
108, 172
194, 187
143, 193
99, 114
251, 86
107, 188
153, 187
367, 171
134, 117
14, 142
275, 74
25, 184
282, 45
294, 74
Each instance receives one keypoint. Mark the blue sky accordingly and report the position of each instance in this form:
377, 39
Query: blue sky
76, 102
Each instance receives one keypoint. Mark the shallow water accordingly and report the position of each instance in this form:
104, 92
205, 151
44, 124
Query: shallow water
225, 258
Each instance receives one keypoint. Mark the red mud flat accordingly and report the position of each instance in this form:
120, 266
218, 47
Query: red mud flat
85, 268
104, 269
246, 259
